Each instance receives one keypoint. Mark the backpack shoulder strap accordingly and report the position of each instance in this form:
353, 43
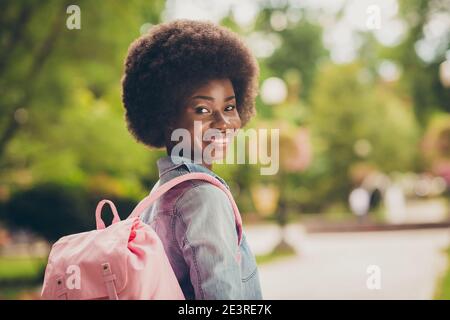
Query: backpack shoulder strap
150, 199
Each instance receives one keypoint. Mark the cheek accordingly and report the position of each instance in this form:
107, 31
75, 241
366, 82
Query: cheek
236, 121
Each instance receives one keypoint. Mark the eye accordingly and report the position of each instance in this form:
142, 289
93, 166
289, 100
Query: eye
230, 107
201, 110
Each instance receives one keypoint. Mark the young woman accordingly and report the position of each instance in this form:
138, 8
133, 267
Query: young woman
180, 75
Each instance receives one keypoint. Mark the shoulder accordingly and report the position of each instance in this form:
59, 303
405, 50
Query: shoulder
201, 193
204, 213
204, 201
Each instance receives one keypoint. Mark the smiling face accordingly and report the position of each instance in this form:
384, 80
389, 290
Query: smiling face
213, 106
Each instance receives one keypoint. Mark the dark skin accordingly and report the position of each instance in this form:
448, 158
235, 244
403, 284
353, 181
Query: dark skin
214, 105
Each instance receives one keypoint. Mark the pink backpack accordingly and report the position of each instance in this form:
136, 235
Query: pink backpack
126, 260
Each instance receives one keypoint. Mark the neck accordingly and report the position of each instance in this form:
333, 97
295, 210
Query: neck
206, 165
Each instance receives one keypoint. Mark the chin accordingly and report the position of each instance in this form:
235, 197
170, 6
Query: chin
218, 154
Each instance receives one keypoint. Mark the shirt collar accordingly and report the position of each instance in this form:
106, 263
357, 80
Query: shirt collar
168, 163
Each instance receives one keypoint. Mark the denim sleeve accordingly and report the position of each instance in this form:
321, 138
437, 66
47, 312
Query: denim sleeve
208, 240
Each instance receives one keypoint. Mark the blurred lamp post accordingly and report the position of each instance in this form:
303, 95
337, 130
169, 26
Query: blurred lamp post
295, 156
274, 92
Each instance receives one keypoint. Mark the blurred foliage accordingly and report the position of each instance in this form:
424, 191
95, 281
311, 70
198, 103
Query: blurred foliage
422, 79
21, 268
443, 286
64, 143
69, 95
346, 109
53, 210
63, 140
301, 50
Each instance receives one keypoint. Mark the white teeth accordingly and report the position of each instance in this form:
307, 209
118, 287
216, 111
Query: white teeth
220, 141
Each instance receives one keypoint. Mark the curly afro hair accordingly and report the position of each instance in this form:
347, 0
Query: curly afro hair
165, 65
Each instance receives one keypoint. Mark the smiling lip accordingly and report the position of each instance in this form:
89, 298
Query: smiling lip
220, 141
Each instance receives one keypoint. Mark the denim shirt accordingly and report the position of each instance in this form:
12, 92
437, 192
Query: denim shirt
196, 224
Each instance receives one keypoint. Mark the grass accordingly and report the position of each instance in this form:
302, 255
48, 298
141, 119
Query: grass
20, 268
20, 292
443, 290
282, 250
20, 276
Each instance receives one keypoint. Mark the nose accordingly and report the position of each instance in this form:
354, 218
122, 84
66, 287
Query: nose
221, 122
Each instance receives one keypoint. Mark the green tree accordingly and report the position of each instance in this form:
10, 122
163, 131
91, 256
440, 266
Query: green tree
61, 116
301, 50
42, 62
421, 78
347, 109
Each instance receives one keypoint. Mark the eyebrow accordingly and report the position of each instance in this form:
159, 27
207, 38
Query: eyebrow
212, 99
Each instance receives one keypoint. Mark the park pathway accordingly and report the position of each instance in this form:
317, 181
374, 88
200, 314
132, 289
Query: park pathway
334, 265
